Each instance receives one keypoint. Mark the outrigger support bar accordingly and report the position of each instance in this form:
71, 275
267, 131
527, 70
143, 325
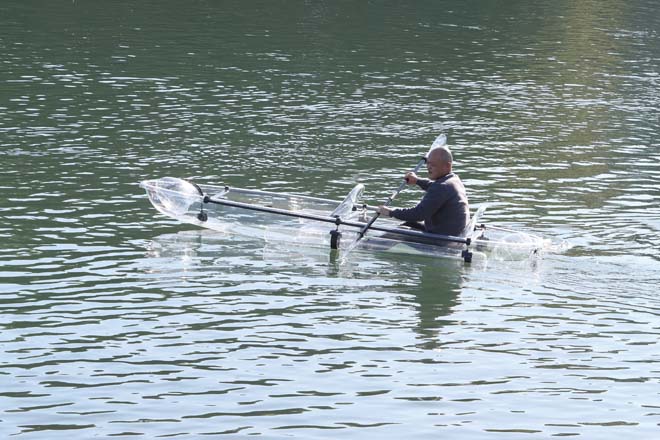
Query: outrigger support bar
202, 216
335, 238
335, 235
338, 221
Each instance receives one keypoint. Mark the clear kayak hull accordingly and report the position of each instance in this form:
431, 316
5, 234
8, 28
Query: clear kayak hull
312, 221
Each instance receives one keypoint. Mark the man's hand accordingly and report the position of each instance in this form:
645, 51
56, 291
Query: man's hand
384, 211
411, 178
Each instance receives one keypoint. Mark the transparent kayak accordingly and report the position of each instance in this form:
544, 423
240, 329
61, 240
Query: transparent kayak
312, 221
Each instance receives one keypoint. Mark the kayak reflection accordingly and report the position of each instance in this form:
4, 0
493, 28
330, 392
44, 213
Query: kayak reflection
211, 261
434, 292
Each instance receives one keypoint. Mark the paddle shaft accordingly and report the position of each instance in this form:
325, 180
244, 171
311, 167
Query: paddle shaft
390, 199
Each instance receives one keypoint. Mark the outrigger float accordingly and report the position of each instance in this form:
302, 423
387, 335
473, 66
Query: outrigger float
338, 225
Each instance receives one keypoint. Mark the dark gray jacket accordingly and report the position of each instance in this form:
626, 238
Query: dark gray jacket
444, 208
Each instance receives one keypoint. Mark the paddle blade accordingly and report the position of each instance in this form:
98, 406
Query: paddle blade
440, 141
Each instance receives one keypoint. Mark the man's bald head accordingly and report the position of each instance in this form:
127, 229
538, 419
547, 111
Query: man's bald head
440, 155
438, 162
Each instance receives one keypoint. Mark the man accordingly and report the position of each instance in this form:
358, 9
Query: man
444, 208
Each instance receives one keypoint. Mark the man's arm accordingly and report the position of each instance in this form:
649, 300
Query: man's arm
424, 183
433, 200
411, 179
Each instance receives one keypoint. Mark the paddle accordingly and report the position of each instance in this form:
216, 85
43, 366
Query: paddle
440, 141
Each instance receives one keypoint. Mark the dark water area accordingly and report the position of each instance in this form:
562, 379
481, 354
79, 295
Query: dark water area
117, 321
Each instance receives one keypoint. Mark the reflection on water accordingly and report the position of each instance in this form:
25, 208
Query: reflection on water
435, 295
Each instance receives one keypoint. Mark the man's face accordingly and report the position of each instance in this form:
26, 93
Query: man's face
435, 167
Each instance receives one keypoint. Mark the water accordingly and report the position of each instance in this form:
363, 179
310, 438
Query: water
119, 322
